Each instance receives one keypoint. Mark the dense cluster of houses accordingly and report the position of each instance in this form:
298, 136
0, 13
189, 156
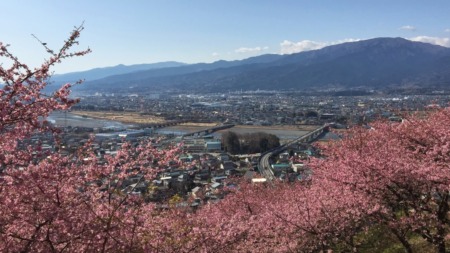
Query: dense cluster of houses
202, 174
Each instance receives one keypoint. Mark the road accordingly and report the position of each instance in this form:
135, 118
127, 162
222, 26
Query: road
264, 164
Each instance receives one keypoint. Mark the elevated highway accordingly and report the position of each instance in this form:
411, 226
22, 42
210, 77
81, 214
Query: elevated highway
264, 164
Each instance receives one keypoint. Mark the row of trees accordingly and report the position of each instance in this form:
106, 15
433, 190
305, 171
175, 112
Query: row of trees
391, 180
249, 143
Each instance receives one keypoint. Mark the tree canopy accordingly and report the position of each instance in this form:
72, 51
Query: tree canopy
249, 143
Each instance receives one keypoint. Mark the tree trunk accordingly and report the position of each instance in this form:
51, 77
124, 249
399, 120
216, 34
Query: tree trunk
442, 217
441, 247
400, 236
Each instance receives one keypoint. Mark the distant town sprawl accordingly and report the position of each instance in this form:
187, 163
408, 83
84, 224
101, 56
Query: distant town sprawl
261, 108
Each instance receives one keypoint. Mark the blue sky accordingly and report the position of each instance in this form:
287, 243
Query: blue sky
191, 31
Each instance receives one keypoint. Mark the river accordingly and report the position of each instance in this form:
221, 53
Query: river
63, 119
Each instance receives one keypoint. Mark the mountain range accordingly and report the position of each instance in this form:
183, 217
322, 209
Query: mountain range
99, 73
380, 63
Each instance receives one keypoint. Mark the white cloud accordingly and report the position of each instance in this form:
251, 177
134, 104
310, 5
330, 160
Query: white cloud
407, 28
215, 54
445, 42
290, 47
244, 50
447, 30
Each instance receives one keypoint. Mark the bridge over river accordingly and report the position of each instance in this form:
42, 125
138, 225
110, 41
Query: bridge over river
209, 130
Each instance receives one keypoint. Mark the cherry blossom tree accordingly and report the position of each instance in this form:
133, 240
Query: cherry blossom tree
22, 101
51, 202
403, 169
281, 217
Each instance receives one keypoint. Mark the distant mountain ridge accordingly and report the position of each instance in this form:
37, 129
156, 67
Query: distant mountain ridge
375, 63
98, 73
